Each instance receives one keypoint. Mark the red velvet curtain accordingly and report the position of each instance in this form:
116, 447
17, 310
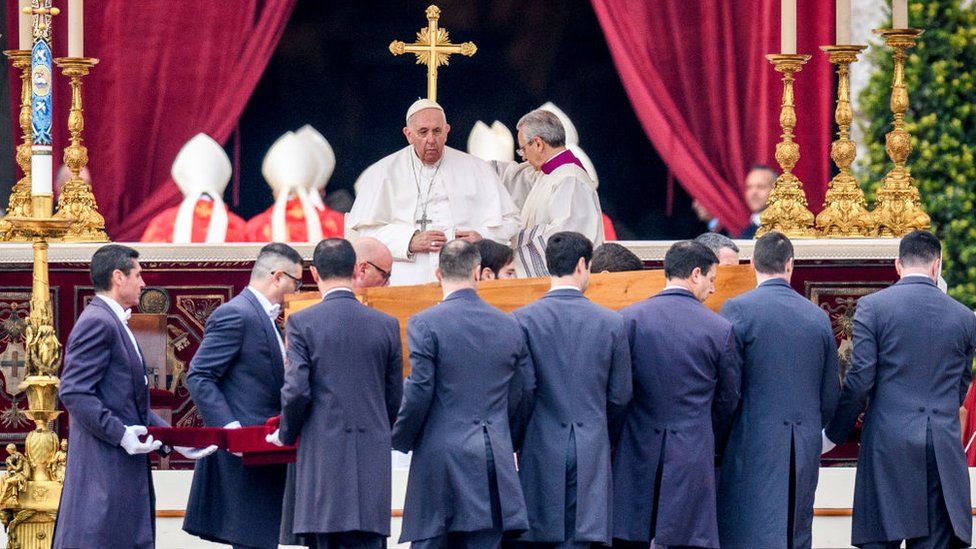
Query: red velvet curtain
696, 74
167, 71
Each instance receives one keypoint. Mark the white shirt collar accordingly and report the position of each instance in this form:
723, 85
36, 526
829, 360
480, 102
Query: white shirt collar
916, 274
564, 287
339, 289
123, 314
676, 287
270, 309
754, 218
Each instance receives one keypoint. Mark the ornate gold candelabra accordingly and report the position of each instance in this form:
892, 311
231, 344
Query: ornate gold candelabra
19, 204
31, 488
844, 213
786, 210
898, 209
76, 202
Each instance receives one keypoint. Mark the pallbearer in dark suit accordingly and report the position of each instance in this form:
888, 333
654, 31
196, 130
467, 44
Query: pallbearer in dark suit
912, 362
466, 361
235, 380
342, 389
108, 498
581, 360
789, 391
686, 386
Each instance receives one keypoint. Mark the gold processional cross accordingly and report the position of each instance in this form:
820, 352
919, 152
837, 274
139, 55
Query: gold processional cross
432, 48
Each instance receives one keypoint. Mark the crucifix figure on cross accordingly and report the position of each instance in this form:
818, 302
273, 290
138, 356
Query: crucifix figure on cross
432, 48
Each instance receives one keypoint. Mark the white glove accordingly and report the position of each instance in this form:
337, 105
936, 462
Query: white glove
131, 444
827, 444
232, 425
196, 453
273, 438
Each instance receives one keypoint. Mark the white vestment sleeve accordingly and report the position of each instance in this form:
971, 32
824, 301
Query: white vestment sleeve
574, 206
396, 236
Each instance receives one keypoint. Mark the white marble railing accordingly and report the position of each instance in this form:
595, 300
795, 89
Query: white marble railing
649, 250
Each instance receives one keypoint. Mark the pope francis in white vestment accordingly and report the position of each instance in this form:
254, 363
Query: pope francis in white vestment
426, 194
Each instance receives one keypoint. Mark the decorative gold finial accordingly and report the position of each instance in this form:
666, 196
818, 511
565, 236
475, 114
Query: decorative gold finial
433, 48
844, 214
786, 210
898, 210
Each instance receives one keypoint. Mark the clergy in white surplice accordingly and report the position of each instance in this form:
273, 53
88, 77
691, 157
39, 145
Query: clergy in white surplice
563, 197
426, 194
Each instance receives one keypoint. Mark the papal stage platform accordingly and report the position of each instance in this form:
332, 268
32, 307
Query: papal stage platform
184, 284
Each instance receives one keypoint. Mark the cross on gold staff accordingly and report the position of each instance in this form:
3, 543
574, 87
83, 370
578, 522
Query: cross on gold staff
41, 12
432, 48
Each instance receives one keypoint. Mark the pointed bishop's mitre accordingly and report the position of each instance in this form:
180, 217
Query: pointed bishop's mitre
586, 162
201, 166
289, 164
493, 142
572, 138
324, 155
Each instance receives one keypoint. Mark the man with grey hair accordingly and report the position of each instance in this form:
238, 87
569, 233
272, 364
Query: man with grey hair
463, 489
563, 198
420, 197
723, 246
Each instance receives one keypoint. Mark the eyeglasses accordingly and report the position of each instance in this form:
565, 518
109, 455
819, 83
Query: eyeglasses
386, 274
297, 281
521, 150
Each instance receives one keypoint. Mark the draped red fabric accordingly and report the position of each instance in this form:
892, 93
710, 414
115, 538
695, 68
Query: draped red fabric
697, 77
167, 71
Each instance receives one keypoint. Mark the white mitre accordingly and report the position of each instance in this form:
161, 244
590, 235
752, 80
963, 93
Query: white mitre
201, 168
324, 156
289, 167
586, 162
572, 137
493, 142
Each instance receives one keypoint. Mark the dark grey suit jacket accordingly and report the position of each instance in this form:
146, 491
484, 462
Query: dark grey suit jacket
789, 392
342, 388
581, 359
466, 357
686, 386
912, 363
236, 375
108, 498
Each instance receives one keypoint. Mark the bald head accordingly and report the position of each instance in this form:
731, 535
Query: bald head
374, 262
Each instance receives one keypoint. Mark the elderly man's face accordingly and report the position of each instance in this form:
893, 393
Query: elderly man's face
728, 256
759, 183
426, 132
531, 150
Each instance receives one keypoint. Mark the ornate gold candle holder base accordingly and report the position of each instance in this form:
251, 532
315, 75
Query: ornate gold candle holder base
898, 210
76, 201
786, 210
19, 204
844, 214
30, 491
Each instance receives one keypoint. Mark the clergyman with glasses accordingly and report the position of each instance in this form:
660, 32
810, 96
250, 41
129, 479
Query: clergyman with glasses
235, 380
563, 198
426, 194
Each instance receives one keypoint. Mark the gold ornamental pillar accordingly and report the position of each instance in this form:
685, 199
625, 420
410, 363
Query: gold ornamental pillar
786, 210
898, 210
19, 204
844, 213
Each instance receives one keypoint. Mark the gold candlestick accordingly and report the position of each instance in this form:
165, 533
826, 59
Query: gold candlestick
19, 204
76, 202
786, 210
898, 210
844, 214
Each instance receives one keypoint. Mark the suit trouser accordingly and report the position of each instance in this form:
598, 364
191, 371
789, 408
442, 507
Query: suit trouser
941, 534
571, 498
490, 538
347, 540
